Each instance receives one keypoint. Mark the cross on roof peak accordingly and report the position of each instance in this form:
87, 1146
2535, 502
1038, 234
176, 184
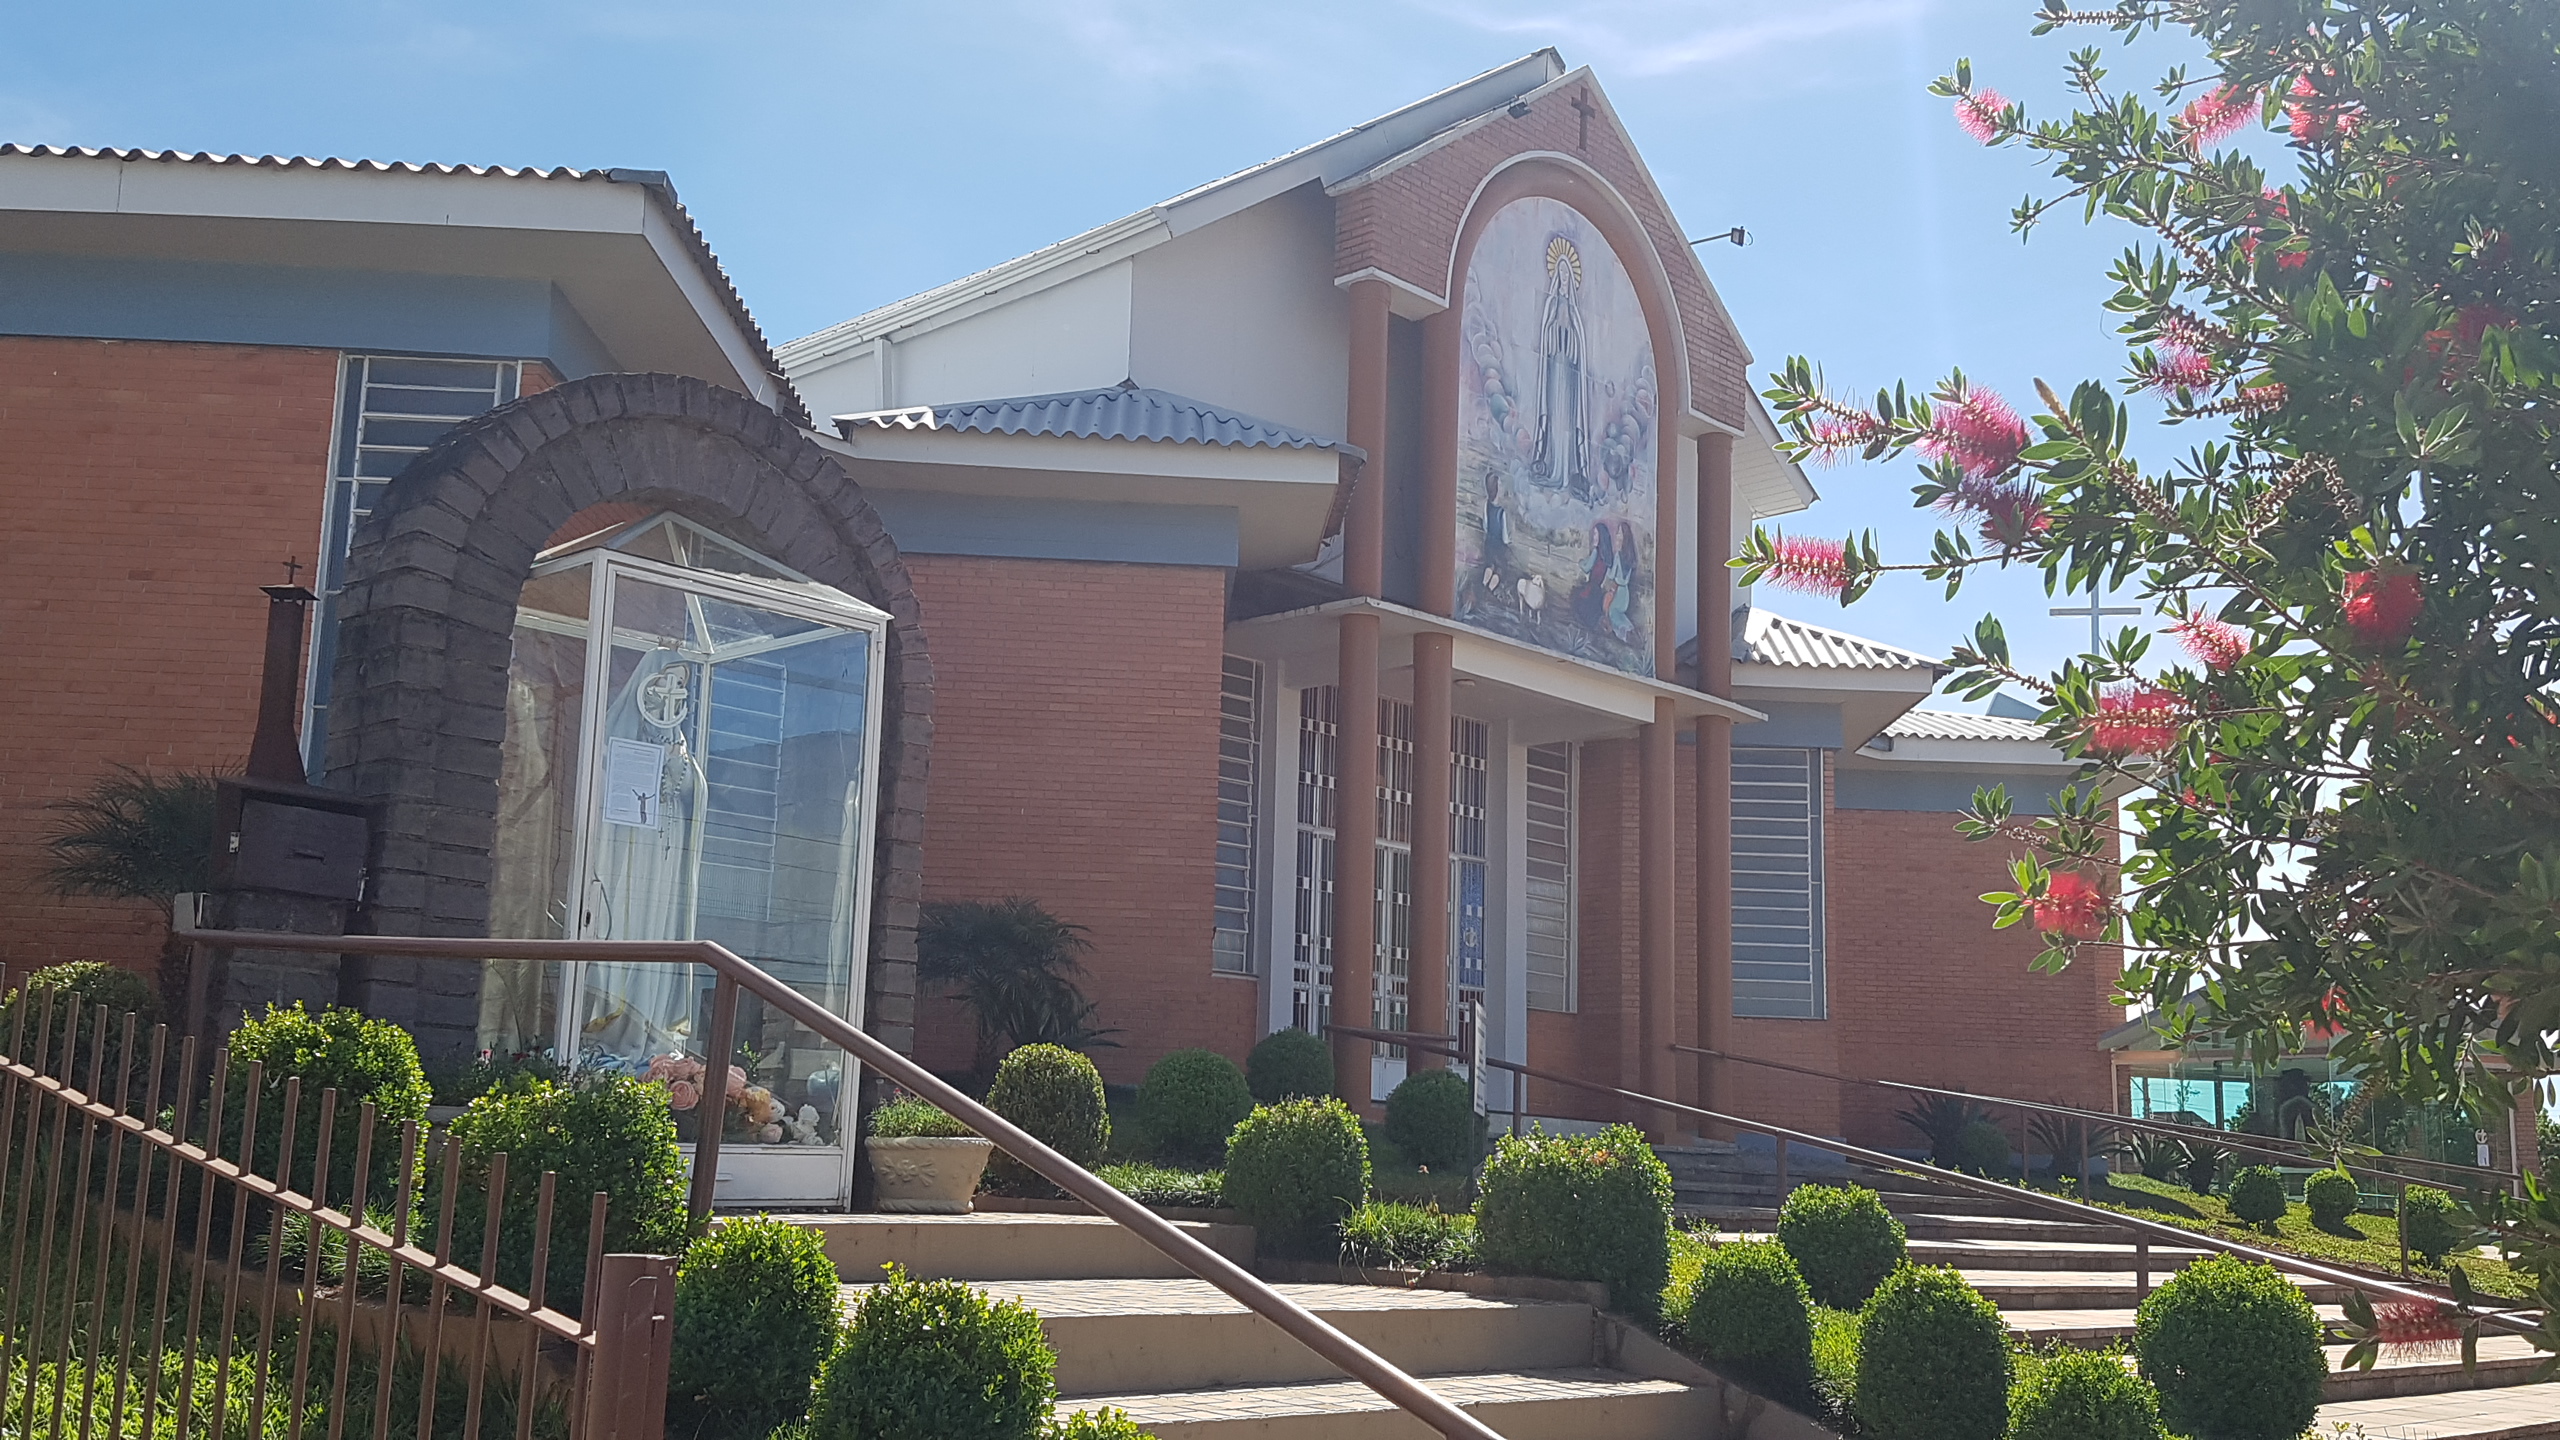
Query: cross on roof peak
2096, 612
1583, 110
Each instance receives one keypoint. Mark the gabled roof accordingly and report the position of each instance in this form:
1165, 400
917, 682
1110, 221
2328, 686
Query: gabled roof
714, 278
1768, 638
1335, 158
1123, 412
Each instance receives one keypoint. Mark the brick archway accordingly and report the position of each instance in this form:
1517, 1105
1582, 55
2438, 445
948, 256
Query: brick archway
427, 626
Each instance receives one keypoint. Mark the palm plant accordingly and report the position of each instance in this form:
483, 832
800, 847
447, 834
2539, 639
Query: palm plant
2068, 1139
135, 836
2157, 1156
1942, 1119
1015, 964
2202, 1162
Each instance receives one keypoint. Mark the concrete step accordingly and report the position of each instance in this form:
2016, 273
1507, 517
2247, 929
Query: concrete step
1939, 1225
2090, 1289
1576, 1403
2034, 1252
2504, 1361
2514, 1413
1116, 1337
1009, 1247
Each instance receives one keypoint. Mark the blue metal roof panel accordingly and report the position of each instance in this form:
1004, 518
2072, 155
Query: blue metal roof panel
1119, 413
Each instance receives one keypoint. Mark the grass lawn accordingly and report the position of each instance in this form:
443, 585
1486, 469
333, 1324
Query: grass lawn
2369, 1241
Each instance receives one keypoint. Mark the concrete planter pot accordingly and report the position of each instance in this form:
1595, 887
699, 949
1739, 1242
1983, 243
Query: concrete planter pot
928, 1176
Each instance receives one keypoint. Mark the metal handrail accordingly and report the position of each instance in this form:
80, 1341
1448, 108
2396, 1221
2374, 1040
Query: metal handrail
1241, 1285
2272, 1147
2147, 1230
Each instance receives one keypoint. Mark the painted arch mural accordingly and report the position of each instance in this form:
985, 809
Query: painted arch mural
1558, 405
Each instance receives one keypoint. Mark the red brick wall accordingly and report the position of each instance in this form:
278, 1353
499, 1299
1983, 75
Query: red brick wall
1075, 761
152, 488
1601, 1039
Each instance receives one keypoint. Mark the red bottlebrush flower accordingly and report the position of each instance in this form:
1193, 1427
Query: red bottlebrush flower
2382, 604
2177, 367
2072, 906
2293, 259
2218, 645
1835, 436
1979, 113
2317, 119
2011, 511
1977, 430
2263, 399
2473, 321
2333, 1016
2417, 1327
1811, 564
2218, 115
2136, 720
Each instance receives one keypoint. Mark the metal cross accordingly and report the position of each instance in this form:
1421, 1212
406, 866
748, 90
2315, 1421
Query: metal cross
1583, 110
292, 568
2096, 612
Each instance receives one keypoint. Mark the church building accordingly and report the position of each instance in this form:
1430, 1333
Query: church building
1312, 585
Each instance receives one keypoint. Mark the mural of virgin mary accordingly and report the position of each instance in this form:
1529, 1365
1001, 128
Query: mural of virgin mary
1564, 390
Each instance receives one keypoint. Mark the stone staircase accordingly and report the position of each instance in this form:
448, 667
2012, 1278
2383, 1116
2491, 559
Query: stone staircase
2058, 1281
1134, 1331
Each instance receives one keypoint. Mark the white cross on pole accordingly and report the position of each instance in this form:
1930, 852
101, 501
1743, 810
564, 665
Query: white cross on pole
2096, 612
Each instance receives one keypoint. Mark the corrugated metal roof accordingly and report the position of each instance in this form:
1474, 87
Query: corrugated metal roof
655, 181
1123, 412
1772, 639
1962, 725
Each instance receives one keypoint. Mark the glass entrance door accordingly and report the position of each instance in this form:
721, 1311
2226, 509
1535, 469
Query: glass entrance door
724, 769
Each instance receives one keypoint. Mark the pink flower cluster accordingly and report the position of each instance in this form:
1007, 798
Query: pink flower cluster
2217, 116
1811, 564
2316, 119
2136, 720
2218, 645
1978, 431
1979, 113
2072, 906
2178, 367
2011, 511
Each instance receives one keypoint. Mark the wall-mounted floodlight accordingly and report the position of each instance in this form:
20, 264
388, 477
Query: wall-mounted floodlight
1518, 110
1737, 235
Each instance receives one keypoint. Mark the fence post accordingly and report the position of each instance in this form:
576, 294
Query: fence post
2141, 1267
634, 1337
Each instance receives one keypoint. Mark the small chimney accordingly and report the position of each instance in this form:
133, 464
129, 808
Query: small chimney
276, 754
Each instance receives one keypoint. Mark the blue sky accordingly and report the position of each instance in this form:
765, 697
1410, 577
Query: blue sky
842, 155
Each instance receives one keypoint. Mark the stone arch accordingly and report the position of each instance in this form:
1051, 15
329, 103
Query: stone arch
426, 632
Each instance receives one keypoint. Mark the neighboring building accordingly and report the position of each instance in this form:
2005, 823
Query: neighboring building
1316, 567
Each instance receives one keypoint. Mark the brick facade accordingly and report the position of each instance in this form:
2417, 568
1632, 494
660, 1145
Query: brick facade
1076, 763
152, 487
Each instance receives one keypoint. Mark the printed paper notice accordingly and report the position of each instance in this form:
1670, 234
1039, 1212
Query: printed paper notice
633, 771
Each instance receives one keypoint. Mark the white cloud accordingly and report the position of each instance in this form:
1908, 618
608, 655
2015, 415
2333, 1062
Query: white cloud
1664, 37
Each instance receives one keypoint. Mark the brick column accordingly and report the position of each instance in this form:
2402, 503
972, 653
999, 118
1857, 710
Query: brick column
1429, 982
1364, 531
1355, 855
1715, 766
1655, 861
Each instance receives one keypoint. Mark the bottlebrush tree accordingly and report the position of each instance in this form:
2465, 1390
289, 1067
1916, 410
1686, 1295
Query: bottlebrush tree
2344, 793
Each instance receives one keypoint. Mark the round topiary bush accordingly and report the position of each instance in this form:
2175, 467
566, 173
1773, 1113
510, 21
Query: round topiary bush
757, 1307
1190, 1100
2427, 1223
1295, 1169
106, 995
1431, 1115
2332, 1196
2257, 1195
361, 1058
2234, 1350
612, 1133
1289, 1065
1843, 1241
1751, 1317
913, 1117
1933, 1360
2070, 1394
1983, 1149
1103, 1424
936, 1358
1579, 1207
1056, 1094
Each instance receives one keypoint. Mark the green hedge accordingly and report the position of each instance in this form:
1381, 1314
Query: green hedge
2069, 1394
1750, 1315
346, 1050
2257, 1195
757, 1308
1190, 1102
1933, 1360
1580, 1207
1289, 1065
1056, 1094
1432, 1116
2332, 1196
1843, 1240
1295, 1169
2234, 1350
936, 1358
2429, 1224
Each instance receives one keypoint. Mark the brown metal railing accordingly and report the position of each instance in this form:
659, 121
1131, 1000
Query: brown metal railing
2144, 1232
129, 1266
733, 975
2241, 1142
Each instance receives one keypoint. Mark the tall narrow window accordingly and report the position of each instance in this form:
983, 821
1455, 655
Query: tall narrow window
391, 408
1311, 951
1470, 790
1394, 972
1548, 876
1231, 944
1777, 883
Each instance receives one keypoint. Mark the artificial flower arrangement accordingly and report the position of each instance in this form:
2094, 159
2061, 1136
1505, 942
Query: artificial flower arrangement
754, 1113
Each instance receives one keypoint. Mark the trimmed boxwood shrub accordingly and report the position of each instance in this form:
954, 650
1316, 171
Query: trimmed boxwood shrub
2257, 1195
1103, 1424
612, 1133
1751, 1316
1289, 1065
757, 1308
1432, 1116
2234, 1350
106, 993
1983, 1148
1843, 1241
2427, 1223
1580, 1207
1190, 1101
2332, 1196
936, 1358
1056, 1094
2069, 1394
346, 1050
1933, 1360
913, 1117
1295, 1169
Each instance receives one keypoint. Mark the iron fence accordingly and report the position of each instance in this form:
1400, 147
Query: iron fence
165, 1278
